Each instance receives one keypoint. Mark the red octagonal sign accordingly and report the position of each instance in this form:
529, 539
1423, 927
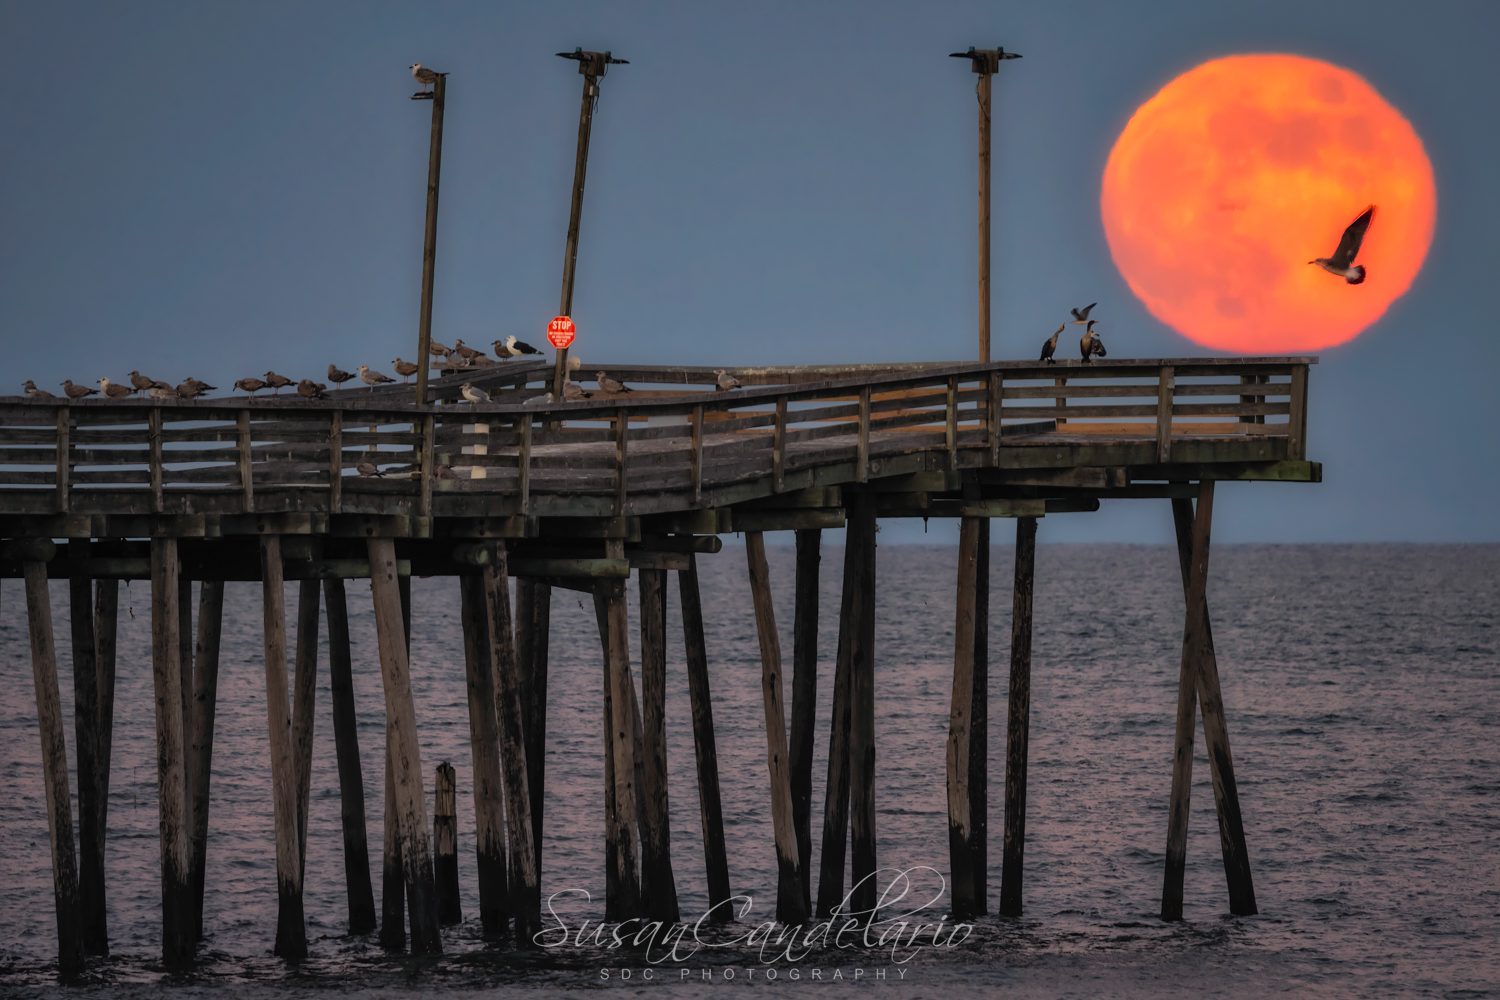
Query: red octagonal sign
561, 331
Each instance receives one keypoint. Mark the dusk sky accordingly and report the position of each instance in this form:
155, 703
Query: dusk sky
212, 189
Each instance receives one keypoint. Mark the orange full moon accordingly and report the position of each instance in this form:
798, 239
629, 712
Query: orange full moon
1233, 176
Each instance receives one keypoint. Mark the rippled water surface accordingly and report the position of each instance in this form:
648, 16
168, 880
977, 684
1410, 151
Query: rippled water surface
1364, 709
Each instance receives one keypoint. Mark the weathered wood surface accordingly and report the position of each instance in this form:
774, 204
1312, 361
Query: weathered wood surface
979, 738
862, 838
178, 938
835, 840
804, 697
291, 929
445, 844
961, 830
359, 891
304, 703
710, 810
533, 628
656, 831
86, 736
201, 741
54, 772
791, 892
1018, 725
484, 750
620, 746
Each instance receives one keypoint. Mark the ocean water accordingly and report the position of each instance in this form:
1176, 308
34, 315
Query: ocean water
1363, 694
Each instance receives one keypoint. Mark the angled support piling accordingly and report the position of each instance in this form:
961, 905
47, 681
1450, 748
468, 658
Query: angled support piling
622, 853
484, 749
304, 703
534, 621
359, 891
91, 833
1018, 725
836, 789
656, 830
962, 835
862, 839
178, 939
201, 739
291, 929
710, 810
804, 697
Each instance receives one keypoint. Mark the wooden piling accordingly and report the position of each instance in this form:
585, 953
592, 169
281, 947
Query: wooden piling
392, 876
613, 899
1018, 725
291, 930
91, 834
656, 830
360, 893
484, 749
445, 845
405, 753
836, 789
534, 621
622, 750
1198, 655
106, 627
509, 712
54, 770
791, 894
304, 703
710, 811
961, 832
979, 727
201, 739
178, 938
862, 839
804, 697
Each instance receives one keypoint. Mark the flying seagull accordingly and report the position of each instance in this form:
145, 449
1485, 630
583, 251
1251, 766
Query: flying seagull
372, 379
1089, 344
277, 382
473, 393
406, 369
610, 384
114, 390
519, 347
1342, 261
76, 391
1082, 315
1051, 345
308, 389
338, 376
724, 381
250, 385
35, 393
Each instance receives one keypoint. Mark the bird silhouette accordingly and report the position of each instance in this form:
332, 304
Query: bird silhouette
1051, 345
1082, 315
1342, 261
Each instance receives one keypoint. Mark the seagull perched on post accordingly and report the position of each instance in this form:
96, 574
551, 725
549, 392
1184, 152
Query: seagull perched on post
1051, 345
473, 393
1089, 344
1082, 315
426, 77
372, 379
33, 392
724, 381
1342, 261
338, 376
611, 384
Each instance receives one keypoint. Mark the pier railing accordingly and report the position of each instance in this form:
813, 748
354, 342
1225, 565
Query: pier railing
667, 445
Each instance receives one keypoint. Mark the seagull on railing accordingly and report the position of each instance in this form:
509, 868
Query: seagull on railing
308, 389
1082, 315
438, 350
464, 350
724, 381
369, 470
114, 390
1090, 344
35, 393
372, 379
611, 385
277, 382
141, 382
473, 393
162, 392
1342, 261
406, 369
515, 348
572, 392
338, 376
1051, 345
76, 391
192, 388
545, 399
250, 385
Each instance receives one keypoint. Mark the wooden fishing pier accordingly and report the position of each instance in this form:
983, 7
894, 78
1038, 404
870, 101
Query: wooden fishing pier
583, 495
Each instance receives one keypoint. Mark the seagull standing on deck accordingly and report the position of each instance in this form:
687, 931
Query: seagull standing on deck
438, 350
1051, 345
573, 392
141, 382
1082, 315
372, 379
724, 381
1342, 261
463, 350
1089, 344
612, 385
473, 393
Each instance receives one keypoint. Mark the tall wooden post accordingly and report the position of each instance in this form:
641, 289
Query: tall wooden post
201, 741
392, 873
509, 712
791, 894
614, 833
429, 236
405, 752
360, 893
1201, 665
484, 748
1018, 725
804, 697
979, 738
862, 857
54, 770
534, 620
710, 811
178, 939
962, 839
291, 929
106, 627
445, 844
91, 834
656, 829
836, 789
621, 747
304, 703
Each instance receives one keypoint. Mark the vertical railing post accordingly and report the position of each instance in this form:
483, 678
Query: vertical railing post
247, 479
336, 462
64, 456
153, 439
862, 450
425, 465
778, 447
696, 459
1166, 385
1296, 430
622, 428
951, 431
523, 461
996, 399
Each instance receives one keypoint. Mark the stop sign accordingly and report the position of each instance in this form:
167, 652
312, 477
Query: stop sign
561, 331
